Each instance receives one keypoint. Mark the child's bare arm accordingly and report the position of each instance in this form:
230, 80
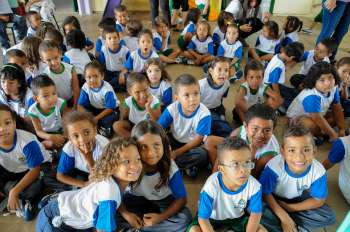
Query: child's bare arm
195, 142
103, 114
327, 164
57, 139
70, 180
339, 116
131, 218
307, 204
241, 105
124, 112
188, 36
253, 222
322, 123
75, 87
205, 225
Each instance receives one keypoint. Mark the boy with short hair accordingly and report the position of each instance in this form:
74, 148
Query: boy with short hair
47, 111
34, 20
113, 56
294, 186
190, 123
63, 75
231, 197
121, 18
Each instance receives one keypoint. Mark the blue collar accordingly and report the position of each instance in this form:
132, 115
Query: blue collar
295, 175
226, 190
144, 57
13, 145
230, 43
96, 90
212, 85
183, 114
115, 52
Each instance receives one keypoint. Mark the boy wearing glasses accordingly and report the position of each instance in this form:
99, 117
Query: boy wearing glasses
231, 197
294, 186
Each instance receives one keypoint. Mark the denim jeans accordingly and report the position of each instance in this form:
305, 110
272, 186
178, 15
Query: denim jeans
335, 24
164, 5
20, 29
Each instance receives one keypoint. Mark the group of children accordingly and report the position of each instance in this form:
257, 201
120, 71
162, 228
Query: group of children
59, 108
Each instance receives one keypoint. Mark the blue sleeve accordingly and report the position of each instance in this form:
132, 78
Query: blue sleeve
205, 207
318, 188
286, 41
275, 75
177, 186
191, 28
306, 54
30, 102
239, 53
127, 55
257, 42
110, 101
204, 126
129, 65
255, 202
191, 46
29, 80
165, 120
98, 45
211, 48
278, 48
83, 99
216, 38
167, 96
268, 180
33, 154
118, 28
312, 104
157, 44
221, 51
88, 42
337, 152
105, 216
66, 59
101, 58
66, 163
336, 99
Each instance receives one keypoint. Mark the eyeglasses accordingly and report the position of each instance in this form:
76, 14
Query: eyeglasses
249, 165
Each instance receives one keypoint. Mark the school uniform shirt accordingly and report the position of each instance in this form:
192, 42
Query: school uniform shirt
211, 95
275, 71
119, 27
158, 41
99, 43
136, 60
203, 47
230, 50
78, 58
31, 31
217, 202
271, 148
114, 60
267, 45
101, 98
278, 179
72, 158
92, 206
289, 38
26, 153
253, 98
184, 128
218, 35
174, 187
340, 154
136, 113
20, 107
34, 71
131, 42
309, 60
63, 80
312, 101
189, 28
52, 121
163, 92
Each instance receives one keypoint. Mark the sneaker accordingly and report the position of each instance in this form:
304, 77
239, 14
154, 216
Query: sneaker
190, 62
192, 172
178, 60
307, 31
46, 199
106, 132
27, 211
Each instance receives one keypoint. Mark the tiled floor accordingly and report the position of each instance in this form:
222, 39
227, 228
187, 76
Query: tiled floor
335, 200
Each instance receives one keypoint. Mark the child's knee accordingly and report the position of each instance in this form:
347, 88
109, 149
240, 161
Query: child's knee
195, 229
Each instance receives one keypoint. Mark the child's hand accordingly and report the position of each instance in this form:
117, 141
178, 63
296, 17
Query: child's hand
151, 219
245, 28
333, 136
133, 220
287, 224
121, 79
149, 101
341, 133
13, 201
164, 34
58, 140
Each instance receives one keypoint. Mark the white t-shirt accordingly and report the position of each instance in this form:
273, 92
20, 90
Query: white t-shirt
136, 113
275, 71
211, 96
51, 122
217, 202
258, 97
20, 107
267, 45
78, 58
131, 43
309, 60
136, 60
114, 60
163, 92
158, 41
230, 50
190, 27
203, 47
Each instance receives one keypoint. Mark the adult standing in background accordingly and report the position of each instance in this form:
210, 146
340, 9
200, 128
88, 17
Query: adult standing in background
177, 4
164, 5
19, 24
335, 21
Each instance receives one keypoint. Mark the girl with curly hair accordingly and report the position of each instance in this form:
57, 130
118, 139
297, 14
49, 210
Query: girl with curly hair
95, 206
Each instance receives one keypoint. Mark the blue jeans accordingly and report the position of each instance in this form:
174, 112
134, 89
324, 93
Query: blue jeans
19, 26
335, 24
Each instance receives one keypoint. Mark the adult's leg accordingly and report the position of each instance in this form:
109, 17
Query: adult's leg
154, 9
19, 26
330, 20
4, 39
342, 27
164, 5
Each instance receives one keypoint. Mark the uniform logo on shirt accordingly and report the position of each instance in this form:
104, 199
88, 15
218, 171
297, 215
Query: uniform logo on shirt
241, 204
302, 188
22, 158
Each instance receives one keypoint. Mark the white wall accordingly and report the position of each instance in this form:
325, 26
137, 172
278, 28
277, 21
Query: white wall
296, 7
